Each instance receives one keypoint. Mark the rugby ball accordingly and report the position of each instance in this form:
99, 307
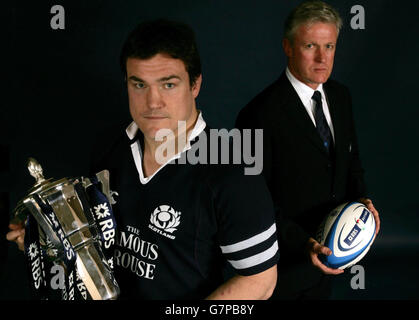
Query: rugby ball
349, 231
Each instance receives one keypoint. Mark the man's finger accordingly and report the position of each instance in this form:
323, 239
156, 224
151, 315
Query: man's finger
317, 263
319, 249
377, 221
370, 206
376, 217
328, 270
20, 243
14, 234
14, 226
326, 251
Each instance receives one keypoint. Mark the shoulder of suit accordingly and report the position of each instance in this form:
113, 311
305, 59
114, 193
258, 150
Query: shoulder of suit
338, 87
269, 97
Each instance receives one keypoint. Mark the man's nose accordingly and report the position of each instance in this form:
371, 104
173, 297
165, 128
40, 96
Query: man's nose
154, 98
321, 55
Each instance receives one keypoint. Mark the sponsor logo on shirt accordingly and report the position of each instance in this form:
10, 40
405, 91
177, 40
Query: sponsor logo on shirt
164, 220
136, 254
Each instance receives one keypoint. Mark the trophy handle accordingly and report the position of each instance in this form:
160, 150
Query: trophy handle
103, 177
20, 214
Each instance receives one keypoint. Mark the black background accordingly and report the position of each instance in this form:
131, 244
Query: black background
63, 87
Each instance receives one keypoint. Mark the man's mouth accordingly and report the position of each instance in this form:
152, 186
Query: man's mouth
155, 117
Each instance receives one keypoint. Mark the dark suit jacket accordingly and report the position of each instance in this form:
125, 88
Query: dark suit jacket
304, 182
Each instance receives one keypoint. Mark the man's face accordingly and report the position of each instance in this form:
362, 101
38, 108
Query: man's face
160, 94
311, 55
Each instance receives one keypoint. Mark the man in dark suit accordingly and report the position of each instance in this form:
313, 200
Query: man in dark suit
311, 154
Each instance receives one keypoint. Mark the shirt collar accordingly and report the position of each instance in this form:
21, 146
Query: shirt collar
132, 132
304, 91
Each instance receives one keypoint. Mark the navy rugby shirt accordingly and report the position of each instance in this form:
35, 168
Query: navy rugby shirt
179, 229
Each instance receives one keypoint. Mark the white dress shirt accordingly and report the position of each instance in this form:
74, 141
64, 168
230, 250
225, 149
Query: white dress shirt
306, 93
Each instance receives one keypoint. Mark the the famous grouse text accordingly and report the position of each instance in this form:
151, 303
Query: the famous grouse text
136, 254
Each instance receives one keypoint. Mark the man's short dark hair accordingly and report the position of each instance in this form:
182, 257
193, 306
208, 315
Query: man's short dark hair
175, 39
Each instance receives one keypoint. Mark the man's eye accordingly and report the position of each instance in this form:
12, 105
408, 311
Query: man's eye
330, 46
169, 85
139, 85
309, 45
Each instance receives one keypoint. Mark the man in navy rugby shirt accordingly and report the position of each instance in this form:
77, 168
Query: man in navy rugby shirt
180, 224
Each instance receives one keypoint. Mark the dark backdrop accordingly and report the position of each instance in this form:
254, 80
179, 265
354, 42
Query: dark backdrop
63, 87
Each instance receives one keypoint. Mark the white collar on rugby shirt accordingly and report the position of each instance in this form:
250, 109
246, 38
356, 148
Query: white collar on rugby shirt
131, 132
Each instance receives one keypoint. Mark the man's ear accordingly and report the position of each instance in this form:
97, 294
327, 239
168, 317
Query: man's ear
196, 87
286, 45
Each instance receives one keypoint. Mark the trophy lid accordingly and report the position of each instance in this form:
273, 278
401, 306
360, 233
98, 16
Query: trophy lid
41, 185
37, 172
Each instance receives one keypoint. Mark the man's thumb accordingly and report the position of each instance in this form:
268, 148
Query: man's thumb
325, 250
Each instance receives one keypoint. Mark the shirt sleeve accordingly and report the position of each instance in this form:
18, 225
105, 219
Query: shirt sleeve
247, 230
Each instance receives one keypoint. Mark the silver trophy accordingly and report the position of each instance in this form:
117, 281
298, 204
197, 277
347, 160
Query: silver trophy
68, 200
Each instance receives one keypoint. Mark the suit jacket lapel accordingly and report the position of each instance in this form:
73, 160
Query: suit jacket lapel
298, 113
333, 102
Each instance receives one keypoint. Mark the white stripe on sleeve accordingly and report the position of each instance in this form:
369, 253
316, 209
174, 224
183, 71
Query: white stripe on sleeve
249, 242
256, 259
